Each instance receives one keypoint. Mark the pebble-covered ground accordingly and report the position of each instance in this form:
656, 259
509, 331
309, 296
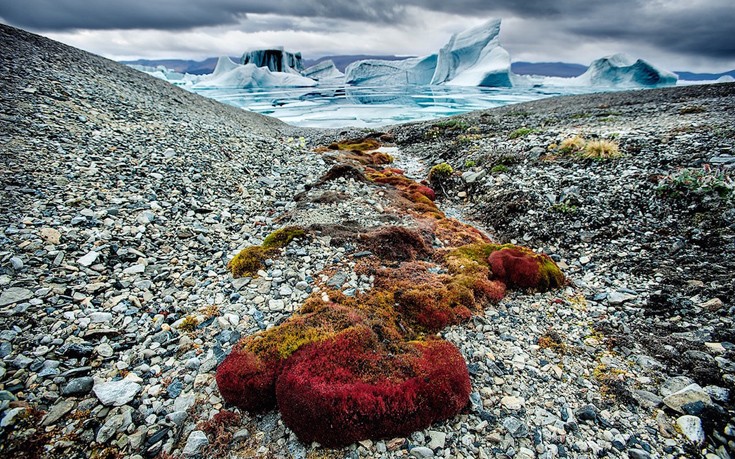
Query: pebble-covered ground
123, 198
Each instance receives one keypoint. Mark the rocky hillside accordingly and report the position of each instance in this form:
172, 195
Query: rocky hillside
124, 198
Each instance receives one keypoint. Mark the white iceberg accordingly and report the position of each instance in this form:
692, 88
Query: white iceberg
725, 79
228, 74
274, 59
622, 70
166, 74
474, 58
325, 70
375, 72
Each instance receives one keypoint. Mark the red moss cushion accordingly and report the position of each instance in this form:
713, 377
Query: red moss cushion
247, 382
349, 388
522, 268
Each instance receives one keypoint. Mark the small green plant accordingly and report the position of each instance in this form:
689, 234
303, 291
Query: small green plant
499, 169
469, 163
454, 124
564, 208
696, 182
601, 150
440, 172
189, 324
521, 132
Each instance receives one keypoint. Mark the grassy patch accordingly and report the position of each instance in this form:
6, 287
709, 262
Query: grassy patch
601, 150
522, 132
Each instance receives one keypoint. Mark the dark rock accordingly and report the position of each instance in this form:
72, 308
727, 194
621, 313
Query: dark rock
78, 386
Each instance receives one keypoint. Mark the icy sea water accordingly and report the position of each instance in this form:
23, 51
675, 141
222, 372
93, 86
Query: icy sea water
340, 106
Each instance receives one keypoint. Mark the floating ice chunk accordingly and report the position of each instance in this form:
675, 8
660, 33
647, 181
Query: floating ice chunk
622, 70
413, 71
325, 70
228, 74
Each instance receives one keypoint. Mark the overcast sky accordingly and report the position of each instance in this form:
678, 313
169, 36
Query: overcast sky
696, 35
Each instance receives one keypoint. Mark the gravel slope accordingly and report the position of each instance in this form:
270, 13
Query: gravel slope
124, 197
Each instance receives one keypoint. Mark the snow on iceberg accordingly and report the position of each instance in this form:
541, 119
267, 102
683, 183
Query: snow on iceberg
325, 70
474, 57
413, 71
622, 70
228, 74
275, 59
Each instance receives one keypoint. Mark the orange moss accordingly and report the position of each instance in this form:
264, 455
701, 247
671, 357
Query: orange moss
357, 145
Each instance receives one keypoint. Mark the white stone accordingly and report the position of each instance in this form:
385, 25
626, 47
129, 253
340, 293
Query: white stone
116, 393
691, 428
88, 259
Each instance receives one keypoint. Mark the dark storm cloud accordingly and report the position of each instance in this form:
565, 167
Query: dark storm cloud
706, 31
58, 15
695, 27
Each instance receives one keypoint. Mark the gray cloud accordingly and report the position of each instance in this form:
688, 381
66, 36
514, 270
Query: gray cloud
698, 28
58, 15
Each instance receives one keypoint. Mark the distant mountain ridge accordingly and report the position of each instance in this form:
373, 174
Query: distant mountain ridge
553, 69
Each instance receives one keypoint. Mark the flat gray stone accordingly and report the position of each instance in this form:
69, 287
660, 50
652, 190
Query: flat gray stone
116, 393
88, 259
691, 394
421, 452
57, 411
14, 295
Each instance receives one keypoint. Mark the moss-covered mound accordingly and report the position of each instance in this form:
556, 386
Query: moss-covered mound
353, 387
369, 365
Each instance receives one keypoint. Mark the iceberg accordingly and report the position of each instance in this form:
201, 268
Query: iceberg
474, 58
228, 74
412, 71
168, 75
622, 70
275, 59
470, 58
325, 70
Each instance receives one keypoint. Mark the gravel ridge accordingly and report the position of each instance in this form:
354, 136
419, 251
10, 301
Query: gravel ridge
124, 197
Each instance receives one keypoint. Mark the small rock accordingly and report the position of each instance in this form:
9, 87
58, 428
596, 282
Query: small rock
116, 393
437, 439
88, 259
78, 386
586, 413
635, 453
57, 412
515, 427
690, 395
421, 452
16, 263
14, 295
194, 444
512, 403
51, 235
615, 298
691, 428
713, 305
